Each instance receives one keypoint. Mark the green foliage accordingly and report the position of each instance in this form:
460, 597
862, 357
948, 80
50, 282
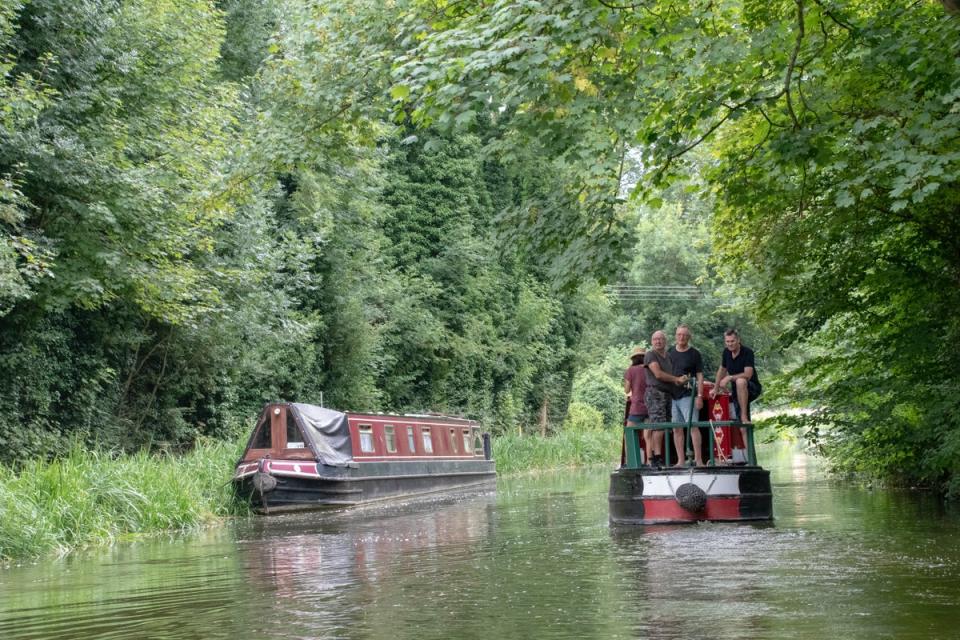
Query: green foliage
602, 391
177, 248
515, 453
829, 132
582, 417
88, 497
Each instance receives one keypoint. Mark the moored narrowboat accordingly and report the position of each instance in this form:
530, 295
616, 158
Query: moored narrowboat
732, 487
303, 457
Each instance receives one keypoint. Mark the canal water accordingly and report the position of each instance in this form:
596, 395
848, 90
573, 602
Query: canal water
534, 559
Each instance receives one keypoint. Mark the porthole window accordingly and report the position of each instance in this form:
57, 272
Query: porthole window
453, 441
466, 440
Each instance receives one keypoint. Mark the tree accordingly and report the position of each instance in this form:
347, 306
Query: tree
832, 132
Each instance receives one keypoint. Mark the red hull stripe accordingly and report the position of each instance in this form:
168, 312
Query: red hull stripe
670, 511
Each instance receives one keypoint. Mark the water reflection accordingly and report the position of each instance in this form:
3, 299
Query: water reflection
536, 559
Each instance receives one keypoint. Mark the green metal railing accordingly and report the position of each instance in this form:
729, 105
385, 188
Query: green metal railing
633, 441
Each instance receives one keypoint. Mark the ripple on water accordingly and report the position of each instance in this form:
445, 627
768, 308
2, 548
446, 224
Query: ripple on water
535, 560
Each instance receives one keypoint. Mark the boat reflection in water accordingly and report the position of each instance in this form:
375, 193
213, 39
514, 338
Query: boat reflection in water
300, 557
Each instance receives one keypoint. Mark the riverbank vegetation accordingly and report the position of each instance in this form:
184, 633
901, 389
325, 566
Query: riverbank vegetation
88, 498
207, 205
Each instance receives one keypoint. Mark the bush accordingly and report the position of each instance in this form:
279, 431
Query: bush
598, 390
582, 417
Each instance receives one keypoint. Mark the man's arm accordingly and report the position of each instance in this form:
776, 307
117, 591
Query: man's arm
663, 376
721, 373
747, 373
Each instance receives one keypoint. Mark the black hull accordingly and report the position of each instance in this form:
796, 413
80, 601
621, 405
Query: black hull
339, 487
730, 494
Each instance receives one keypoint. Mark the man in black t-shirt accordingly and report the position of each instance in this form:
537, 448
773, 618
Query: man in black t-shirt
686, 361
738, 368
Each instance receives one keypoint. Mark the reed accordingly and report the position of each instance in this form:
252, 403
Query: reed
515, 453
93, 497
89, 498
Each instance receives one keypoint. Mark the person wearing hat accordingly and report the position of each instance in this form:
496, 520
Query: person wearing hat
635, 386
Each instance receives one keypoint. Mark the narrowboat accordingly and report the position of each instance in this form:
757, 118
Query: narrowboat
303, 457
731, 487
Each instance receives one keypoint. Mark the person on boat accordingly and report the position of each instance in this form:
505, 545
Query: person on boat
635, 386
661, 385
686, 361
738, 368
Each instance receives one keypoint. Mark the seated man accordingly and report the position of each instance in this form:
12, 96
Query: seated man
739, 369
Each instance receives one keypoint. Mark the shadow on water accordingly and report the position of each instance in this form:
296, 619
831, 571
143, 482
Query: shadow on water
535, 559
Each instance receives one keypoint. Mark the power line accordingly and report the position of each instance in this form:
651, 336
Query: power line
626, 293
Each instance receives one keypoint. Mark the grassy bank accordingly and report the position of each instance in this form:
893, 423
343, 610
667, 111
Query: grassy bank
91, 498
566, 449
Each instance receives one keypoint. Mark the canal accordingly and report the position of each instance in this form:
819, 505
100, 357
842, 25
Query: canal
535, 559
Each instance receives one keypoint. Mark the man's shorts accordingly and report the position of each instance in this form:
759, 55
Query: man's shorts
753, 392
658, 404
680, 409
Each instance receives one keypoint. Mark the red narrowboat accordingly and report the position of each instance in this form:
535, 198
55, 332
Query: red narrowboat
303, 457
732, 487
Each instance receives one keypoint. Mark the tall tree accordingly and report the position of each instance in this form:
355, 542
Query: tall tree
833, 130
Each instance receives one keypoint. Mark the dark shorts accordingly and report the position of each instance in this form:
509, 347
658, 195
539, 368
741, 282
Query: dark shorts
636, 419
658, 404
753, 392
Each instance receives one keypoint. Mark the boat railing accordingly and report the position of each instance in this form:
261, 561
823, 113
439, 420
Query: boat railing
632, 440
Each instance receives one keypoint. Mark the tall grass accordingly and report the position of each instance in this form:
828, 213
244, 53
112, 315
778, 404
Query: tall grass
92, 497
89, 497
515, 453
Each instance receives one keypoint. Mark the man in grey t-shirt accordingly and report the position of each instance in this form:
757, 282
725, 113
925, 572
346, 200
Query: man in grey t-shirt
660, 385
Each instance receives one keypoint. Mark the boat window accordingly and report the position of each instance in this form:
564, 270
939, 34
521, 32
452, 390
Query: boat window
427, 441
466, 440
477, 443
294, 437
366, 438
453, 440
411, 440
263, 438
391, 439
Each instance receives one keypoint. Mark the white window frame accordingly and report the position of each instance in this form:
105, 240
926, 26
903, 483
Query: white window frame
390, 437
366, 443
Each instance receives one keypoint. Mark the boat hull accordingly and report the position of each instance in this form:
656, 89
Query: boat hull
720, 494
278, 486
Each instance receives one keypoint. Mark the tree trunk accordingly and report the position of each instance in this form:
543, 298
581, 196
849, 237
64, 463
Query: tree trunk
543, 417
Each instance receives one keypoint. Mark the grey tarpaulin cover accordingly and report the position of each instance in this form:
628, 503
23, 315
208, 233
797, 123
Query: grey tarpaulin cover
327, 431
